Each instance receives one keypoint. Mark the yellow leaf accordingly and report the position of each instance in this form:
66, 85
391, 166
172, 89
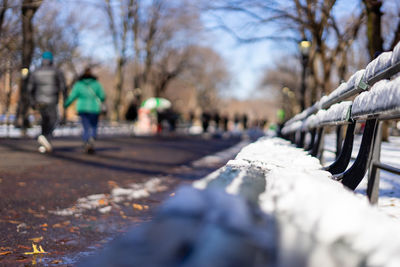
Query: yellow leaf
57, 225
103, 202
36, 239
122, 214
41, 249
36, 250
137, 206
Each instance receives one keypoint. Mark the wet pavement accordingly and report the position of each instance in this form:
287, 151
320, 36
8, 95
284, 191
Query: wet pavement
70, 204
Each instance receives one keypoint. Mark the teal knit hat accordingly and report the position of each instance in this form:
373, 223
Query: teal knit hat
47, 55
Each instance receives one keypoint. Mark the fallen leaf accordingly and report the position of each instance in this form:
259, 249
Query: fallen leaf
22, 184
5, 253
112, 184
36, 250
44, 225
5, 248
122, 214
103, 202
24, 247
56, 262
92, 218
73, 229
137, 206
14, 222
36, 239
172, 194
31, 211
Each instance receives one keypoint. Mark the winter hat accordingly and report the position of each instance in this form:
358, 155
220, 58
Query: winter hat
47, 55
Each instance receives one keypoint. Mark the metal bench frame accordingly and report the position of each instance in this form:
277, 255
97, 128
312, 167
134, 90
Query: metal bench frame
368, 158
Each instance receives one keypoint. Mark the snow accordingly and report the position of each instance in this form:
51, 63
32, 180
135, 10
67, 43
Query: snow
384, 96
355, 79
383, 61
298, 117
292, 127
343, 87
338, 112
396, 54
74, 130
306, 202
100, 202
310, 123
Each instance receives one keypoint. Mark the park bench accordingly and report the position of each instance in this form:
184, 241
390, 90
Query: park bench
370, 96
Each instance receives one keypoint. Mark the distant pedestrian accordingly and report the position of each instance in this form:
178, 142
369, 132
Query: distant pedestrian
191, 118
89, 94
44, 87
225, 121
244, 121
205, 120
236, 120
132, 112
217, 120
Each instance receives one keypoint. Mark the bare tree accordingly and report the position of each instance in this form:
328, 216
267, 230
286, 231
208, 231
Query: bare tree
119, 32
28, 10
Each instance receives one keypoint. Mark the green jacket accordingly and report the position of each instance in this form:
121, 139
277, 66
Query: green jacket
89, 93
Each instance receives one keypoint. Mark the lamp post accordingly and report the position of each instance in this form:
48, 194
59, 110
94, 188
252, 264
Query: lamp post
304, 46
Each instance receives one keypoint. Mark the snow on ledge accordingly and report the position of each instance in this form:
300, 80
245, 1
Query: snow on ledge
302, 196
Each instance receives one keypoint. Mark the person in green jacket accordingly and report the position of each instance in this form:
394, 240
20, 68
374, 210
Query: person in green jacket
89, 94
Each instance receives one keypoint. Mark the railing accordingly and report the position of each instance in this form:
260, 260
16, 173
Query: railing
377, 98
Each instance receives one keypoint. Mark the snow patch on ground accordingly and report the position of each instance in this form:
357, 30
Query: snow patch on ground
104, 202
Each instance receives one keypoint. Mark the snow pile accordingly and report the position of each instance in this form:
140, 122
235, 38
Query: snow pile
292, 127
334, 226
384, 96
297, 117
343, 87
396, 54
383, 61
338, 112
310, 123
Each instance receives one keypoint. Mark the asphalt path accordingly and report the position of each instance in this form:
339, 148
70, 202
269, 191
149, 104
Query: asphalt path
40, 194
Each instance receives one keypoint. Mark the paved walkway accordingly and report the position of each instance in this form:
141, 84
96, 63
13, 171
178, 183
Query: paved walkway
33, 187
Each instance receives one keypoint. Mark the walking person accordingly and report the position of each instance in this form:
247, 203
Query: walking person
45, 85
90, 95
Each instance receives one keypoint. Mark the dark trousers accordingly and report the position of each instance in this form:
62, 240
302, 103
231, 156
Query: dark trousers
49, 119
89, 123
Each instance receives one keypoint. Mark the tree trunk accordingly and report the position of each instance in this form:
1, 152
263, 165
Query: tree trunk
374, 33
28, 10
118, 86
